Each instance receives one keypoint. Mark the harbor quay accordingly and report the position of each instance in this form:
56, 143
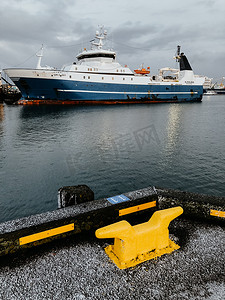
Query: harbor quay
56, 255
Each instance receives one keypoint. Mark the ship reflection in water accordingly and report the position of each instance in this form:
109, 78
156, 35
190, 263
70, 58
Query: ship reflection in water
1, 119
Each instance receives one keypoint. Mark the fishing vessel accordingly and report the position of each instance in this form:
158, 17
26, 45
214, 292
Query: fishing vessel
219, 88
1, 95
8, 93
98, 78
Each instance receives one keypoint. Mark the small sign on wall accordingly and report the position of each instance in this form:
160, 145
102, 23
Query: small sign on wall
118, 199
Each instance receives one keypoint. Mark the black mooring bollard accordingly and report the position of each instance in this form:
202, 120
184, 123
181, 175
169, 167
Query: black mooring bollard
72, 195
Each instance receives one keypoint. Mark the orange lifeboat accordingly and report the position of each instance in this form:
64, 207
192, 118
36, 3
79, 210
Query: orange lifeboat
142, 71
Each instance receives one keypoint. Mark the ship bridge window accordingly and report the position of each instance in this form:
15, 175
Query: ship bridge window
97, 55
102, 78
84, 77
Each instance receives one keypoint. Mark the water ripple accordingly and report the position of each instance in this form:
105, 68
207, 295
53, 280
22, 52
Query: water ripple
111, 149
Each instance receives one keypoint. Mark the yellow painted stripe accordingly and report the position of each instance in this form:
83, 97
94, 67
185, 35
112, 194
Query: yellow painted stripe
136, 208
45, 234
217, 213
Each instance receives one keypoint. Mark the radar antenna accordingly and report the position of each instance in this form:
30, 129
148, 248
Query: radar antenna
100, 35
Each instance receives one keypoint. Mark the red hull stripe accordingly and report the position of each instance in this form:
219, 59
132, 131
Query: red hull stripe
86, 102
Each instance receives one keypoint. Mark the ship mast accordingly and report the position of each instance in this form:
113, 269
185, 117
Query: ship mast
178, 54
100, 36
39, 55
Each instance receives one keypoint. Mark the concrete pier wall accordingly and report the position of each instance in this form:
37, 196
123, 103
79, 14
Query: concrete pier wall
35, 230
196, 206
135, 207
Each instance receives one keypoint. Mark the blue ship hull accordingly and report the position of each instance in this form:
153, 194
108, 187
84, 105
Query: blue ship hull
78, 92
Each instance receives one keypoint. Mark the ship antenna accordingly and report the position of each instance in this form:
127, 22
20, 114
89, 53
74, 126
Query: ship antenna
39, 55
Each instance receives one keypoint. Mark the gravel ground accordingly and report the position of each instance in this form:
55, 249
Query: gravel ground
80, 269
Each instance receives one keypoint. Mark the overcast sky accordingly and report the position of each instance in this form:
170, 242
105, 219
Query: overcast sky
141, 31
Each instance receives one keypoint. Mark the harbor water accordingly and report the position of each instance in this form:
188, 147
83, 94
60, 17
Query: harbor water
112, 149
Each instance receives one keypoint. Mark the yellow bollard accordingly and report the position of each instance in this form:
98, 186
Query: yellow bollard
136, 244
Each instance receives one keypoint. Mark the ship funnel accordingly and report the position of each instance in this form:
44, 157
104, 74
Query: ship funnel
184, 63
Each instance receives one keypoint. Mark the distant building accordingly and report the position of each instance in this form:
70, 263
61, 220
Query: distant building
208, 84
